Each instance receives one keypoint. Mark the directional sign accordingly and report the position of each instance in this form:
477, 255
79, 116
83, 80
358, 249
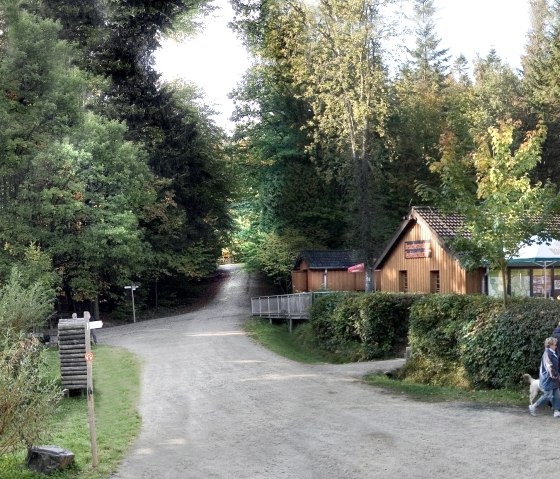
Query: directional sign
95, 324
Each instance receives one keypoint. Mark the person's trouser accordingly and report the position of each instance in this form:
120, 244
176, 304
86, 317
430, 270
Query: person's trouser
552, 396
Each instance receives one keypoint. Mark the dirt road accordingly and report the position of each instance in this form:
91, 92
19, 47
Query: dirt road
216, 405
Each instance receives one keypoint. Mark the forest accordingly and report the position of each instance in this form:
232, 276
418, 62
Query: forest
110, 176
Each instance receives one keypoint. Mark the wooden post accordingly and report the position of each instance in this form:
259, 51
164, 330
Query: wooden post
91, 411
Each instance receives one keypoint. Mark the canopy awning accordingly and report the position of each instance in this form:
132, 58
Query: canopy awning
543, 254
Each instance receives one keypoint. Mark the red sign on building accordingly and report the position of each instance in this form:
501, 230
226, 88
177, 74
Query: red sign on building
417, 249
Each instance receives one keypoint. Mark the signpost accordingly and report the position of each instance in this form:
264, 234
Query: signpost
132, 289
89, 365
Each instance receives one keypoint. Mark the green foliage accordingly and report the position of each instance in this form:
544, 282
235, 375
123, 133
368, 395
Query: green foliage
502, 208
274, 254
372, 325
116, 389
471, 341
321, 312
436, 323
383, 322
26, 396
435, 333
500, 346
23, 308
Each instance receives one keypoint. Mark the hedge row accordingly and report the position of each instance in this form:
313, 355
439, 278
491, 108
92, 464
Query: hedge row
456, 340
371, 325
472, 341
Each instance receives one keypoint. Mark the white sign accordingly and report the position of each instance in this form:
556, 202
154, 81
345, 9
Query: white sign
95, 324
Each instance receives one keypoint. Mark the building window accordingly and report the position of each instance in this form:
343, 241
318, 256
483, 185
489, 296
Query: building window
434, 282
403, 281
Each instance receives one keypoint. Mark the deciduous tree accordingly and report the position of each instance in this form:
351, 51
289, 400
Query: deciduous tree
502, 207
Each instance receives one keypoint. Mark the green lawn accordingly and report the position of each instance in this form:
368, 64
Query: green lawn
298, 346
116, 381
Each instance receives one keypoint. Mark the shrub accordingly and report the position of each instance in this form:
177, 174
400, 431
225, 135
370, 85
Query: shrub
26, 398
437, 320
501, 345
365, 325
321, 312
472, 340
383, 322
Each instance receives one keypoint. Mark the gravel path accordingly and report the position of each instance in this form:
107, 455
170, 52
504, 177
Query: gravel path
216, 405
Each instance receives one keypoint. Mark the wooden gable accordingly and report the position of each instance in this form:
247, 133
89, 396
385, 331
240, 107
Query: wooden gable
418, 260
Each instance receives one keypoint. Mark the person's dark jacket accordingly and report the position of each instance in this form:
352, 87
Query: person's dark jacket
556, 334
548, 372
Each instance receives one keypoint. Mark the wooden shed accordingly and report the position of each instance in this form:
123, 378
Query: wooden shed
418, 258
316, 270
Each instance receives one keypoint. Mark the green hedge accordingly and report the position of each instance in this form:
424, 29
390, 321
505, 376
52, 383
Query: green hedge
472, 341
456, 340
501, 345
369, 325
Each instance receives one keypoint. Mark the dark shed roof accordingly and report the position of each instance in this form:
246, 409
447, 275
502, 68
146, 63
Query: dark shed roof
329, 259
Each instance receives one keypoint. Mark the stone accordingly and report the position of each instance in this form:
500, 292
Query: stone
47, 459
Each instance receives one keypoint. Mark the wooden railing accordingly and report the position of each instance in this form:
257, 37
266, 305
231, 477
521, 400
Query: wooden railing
285, 306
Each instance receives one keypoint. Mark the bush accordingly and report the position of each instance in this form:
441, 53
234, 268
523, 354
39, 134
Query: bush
26, 397
473, 341
383, 322
321, 312
501, 345
437, 320
365, 325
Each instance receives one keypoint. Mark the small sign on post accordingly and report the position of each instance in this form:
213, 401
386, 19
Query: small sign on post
89, 364
132, 288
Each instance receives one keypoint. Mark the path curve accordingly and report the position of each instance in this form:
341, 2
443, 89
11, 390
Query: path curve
214, 404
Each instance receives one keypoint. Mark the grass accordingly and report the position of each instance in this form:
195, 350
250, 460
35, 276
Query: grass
298, 346
423, 392
116, 380
301, 347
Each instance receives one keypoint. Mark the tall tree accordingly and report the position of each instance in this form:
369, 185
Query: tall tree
418, 113
71, 183
285, 201
183, 146
492, 188
541, 65
334, 54
429, 61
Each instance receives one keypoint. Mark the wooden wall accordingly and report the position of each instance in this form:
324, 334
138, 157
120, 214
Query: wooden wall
299, 281
306, 279
453, 278
337, 280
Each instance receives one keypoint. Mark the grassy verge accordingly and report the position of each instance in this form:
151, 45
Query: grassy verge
116, 380
300, 346
422, 392
297, 346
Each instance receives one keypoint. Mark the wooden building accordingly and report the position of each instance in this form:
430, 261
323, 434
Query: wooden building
418, 259
316, 270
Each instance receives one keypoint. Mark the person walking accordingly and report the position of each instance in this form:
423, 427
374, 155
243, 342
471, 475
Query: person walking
548, 378
556, 334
